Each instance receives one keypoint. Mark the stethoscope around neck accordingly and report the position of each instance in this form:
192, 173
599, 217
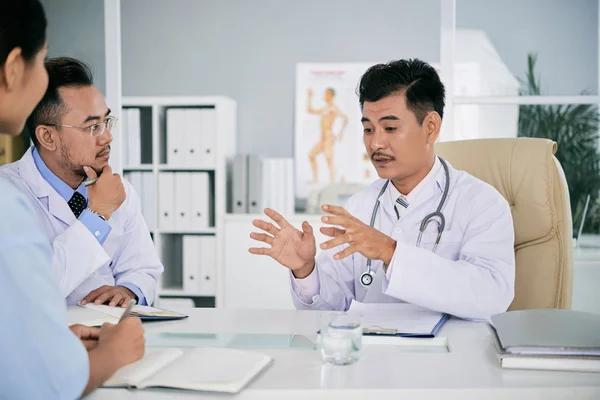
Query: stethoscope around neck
367, 277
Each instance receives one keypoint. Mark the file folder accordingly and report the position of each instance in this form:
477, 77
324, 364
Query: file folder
200, 195
135, 136
124, 126
208, 265
175, 136
166, 200
183, 201
194, 137
255, 184
192, 278
148, 199
240, 184
207, 119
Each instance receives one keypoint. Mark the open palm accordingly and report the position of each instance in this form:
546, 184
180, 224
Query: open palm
290, 247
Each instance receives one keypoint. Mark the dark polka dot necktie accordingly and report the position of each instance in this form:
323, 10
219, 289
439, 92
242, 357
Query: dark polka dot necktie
77, 204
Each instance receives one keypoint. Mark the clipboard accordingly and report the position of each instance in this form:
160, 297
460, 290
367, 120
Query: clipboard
96, 315
378, 331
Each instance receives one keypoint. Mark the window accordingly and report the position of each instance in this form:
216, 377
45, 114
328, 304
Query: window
530, 68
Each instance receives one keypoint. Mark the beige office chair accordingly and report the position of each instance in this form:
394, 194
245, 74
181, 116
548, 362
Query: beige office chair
526, 173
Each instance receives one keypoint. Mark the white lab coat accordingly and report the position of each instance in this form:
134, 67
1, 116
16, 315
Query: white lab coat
470, 276
80, 262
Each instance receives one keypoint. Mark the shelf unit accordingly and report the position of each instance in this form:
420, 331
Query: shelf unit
154, 160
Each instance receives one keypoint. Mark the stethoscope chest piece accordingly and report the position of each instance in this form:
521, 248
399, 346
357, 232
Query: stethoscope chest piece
366, 278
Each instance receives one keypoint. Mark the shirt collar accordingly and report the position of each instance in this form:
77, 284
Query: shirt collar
431, 175
64, 190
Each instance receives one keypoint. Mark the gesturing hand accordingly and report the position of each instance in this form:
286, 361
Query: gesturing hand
360, 237
290, 247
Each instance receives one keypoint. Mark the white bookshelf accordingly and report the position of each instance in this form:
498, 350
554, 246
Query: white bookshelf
154, 160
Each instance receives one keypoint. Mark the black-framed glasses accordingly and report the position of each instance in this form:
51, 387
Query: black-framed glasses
96, 129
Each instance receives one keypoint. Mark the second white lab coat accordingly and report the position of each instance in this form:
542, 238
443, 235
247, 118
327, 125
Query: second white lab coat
80, 262
471, 275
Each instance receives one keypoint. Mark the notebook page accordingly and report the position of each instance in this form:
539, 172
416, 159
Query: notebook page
405, 317
154, 359
88, 317
211, 369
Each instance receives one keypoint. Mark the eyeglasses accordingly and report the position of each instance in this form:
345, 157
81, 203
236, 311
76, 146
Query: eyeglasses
96, 129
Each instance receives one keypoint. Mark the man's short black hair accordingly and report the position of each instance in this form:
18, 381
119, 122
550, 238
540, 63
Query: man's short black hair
418, 80
62, 72
22, 24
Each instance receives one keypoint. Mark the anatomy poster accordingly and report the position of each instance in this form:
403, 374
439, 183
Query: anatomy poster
328, 134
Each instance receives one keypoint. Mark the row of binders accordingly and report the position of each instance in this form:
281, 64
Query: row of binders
200, 265
262, 182
191, 137
144, 184
184, 201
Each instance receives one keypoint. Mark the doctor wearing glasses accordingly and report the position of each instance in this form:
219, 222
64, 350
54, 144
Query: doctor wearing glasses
103, 252
424, 233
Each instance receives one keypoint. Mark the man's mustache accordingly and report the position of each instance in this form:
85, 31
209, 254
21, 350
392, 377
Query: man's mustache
104, 151
379, 154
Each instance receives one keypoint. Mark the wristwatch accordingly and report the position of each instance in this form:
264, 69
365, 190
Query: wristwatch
95, 213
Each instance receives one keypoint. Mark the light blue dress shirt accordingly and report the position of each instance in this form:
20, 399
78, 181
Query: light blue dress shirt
40, 358
91, 221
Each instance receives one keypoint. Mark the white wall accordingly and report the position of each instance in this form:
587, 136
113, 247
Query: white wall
76, 29
248, 50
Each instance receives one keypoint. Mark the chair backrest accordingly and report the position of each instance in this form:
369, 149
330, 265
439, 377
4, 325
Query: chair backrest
528, 175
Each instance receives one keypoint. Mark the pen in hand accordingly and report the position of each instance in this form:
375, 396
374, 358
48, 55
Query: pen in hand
89, 182
127, 312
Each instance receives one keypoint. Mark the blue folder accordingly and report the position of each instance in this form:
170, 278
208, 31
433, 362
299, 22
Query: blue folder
394, 332
151, 317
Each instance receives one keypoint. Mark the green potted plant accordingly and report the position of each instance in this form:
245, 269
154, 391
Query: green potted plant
574, 127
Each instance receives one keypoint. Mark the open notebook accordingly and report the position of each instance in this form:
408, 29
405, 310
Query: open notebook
202, 369
96, 315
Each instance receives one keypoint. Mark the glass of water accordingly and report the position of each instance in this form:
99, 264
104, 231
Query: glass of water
340, 338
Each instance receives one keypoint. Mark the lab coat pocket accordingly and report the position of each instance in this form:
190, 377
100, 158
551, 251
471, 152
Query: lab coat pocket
449, 245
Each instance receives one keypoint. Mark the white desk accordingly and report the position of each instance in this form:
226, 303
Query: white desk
467, 371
